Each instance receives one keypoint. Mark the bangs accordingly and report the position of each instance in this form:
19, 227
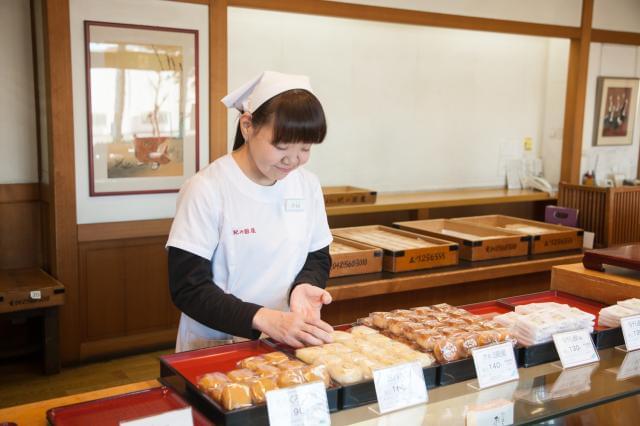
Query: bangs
298, 117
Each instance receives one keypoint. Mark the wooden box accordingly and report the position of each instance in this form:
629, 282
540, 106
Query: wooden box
402, 250
545, 237
353, 258
22, 289
476, 242
341, 195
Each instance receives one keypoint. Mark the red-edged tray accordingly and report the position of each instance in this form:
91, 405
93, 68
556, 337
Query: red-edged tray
603, 337
487, 309
181, 371
115, 409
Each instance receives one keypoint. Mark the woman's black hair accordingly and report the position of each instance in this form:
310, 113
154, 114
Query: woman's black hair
296, 115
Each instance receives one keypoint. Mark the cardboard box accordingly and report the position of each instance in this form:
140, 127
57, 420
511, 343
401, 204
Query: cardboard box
545, 237
402, 250
353, 258
476, 242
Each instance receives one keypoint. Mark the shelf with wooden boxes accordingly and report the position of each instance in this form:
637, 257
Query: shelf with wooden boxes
545, 237
403, 251
476, 242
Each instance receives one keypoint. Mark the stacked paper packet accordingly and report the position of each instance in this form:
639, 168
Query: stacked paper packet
538, 322
611, 315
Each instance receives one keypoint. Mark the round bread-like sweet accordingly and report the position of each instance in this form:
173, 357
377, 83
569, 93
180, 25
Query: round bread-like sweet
409, 328
467, 342
275, 357
235, 395
402, 312
395, 324
345, 372
327, 359
241, 375
259, 387
310, 354
366, 321
379, 318
424, 359
290, 378
423, 310
336, 348
377, 338
426, 339
252, 362
488, 337
292, 364
446, 351
267, 370
314, 373
341, 336
362, 330
212, 384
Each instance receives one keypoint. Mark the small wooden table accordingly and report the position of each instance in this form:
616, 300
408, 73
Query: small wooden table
29, 293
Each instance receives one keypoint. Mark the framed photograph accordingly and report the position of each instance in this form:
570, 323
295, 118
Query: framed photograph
615, 111
142, 107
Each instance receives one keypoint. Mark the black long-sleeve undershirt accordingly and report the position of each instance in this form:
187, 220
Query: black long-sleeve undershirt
195, 293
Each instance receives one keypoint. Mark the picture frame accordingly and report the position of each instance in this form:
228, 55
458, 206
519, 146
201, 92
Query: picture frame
615, 111
142, 107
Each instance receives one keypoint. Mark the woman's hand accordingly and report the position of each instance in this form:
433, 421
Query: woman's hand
292, 328
308, 300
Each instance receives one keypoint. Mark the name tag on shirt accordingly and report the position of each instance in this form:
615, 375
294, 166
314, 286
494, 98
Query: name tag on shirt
294, 205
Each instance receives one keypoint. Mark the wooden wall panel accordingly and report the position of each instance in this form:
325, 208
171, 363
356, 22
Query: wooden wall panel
20, 224
125, 296
105, 282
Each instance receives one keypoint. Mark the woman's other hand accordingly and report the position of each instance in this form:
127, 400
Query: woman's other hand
308, 300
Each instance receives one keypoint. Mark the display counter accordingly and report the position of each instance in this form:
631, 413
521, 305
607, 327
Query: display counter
543, 392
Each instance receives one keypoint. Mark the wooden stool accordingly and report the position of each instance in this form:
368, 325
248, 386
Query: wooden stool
28, 293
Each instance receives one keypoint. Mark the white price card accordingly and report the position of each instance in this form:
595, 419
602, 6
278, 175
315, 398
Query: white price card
494, 413
575, 348
399, 386
495, 364
300, 406
181, 417
630, 366
631, 332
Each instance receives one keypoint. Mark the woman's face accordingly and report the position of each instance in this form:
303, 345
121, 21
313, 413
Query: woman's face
275, 161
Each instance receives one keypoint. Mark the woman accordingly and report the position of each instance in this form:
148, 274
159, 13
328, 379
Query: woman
250, 236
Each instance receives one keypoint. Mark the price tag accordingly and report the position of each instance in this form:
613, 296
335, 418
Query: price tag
495, 364
495, 413
631, 332
182, 417
400, 386
301, 405
35, 294
575, 348
630, 366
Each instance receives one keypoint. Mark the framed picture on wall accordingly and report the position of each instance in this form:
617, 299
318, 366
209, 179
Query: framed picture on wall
615, 111
142, 107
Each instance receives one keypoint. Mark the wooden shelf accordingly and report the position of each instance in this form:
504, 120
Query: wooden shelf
433, 199
359, 286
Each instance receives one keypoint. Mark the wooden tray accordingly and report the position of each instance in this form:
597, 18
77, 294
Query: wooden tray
476, 242
626, 256
402, 250
342, 195
353, 258
116, 409
545, 237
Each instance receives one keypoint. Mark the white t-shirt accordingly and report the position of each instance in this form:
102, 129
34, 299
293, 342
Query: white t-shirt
256, 236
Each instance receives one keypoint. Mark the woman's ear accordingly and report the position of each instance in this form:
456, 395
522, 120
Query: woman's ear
246, 126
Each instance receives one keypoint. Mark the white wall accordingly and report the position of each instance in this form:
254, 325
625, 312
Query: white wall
555, 12
18, 145
610, 60
617, 15
143, 12
410, 107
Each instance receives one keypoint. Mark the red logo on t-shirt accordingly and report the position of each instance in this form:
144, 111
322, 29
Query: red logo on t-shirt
244, 231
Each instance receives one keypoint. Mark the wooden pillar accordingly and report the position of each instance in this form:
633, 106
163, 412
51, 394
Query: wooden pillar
218, 78
575, 99
63, 253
